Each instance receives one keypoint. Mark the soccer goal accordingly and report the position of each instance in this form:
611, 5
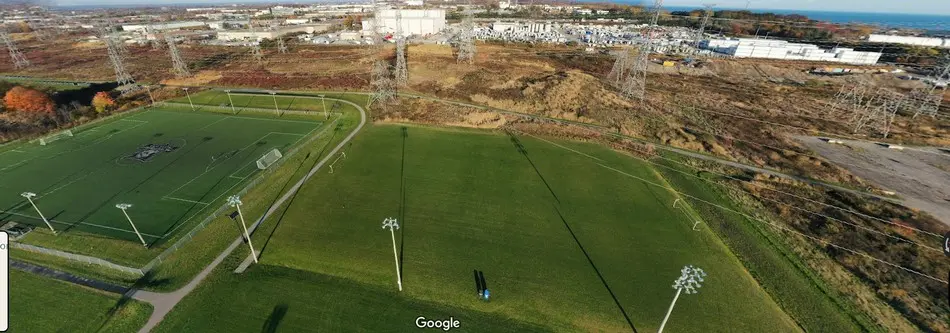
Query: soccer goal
268, 159
55, 137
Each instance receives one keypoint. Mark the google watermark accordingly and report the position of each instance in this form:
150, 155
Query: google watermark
442, 324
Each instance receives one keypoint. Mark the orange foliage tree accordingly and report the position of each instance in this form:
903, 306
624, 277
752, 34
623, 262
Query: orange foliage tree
28, 100
102, 101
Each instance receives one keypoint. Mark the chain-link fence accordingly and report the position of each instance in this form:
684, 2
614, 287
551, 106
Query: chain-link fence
79, 258
197, 228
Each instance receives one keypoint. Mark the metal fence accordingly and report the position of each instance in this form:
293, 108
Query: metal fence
79, 258
197, 228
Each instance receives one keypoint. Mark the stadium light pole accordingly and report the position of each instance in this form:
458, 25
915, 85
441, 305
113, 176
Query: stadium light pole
230, 101
235, 202
123, 207
276, 109
189, 99
392, 224
150, 98
690, 280
29, 197
326, 114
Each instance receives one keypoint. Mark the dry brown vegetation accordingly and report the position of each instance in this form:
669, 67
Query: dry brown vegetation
743, 110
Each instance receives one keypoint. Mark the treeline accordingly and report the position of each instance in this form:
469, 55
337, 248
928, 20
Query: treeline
26, 111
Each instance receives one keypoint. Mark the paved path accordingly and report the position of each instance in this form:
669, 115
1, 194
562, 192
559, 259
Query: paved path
164, 302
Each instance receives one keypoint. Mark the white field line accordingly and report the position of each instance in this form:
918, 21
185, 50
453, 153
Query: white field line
325, 128
212, 123
81, 223
215, 166
185, 200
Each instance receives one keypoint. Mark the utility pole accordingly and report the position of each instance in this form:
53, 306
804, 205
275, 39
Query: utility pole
690, 280
235, 201
466, 38
29, 197
702, 27
122, 76
181, 70
123, 207
19, 61
392, 224
401, 72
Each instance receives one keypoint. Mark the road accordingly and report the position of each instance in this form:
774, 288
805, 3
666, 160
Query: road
163, 303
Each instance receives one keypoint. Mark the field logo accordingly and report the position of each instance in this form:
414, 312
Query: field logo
146, 152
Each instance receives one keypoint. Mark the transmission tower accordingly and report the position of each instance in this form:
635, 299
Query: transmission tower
19, 61
116, 38
181, 70
38, 32
401, 72
382, 83
621, 67
702, 26
255, 45
156, 39
852, 99
879, 112
635, 83
281, 47
466, 38
122, 76
927, 101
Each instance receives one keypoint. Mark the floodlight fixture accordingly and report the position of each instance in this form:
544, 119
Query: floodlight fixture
124, 207
690, 280
235, 201
29, 197
393, 224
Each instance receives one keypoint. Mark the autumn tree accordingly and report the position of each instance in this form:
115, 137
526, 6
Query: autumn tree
102, 102
29, 101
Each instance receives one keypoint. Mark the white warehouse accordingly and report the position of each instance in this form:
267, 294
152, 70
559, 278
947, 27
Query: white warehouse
780, 49
413, 21
910, 40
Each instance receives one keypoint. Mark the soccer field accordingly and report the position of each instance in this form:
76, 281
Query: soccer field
570, 236
196, 159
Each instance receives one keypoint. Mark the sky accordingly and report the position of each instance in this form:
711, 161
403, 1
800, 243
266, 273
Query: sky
940, 7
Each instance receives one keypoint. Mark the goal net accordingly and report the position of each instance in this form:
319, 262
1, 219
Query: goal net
55, 137
268, 159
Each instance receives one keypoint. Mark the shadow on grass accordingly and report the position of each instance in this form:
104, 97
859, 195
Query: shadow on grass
524, 151
290, 180
276, 316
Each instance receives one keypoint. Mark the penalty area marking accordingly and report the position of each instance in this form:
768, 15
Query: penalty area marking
185, 200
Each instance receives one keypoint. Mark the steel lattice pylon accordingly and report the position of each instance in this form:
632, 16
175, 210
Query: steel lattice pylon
466, 38
382, 83
181, 69
19, 61
927, 101
401, 72
621, 66
281, 47
122, 76
635, 83
702, 27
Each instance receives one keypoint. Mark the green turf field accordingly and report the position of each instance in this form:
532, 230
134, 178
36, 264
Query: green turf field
571, 236
78, 180
40, 304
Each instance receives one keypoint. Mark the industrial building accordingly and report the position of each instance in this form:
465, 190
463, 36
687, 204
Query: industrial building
247, 35
165, 26
780, 49
910, 40
413, 21
535, 27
